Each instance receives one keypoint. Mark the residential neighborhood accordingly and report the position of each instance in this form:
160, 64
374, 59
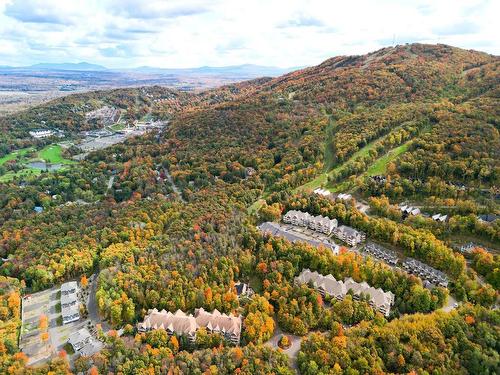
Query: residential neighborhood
52, 319
349, 235
317, 223
425, 272
297, 234
329, 286
181, 323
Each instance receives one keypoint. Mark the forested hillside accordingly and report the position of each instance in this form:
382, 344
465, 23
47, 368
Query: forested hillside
414, 123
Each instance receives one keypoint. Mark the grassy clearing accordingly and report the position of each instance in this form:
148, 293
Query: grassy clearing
380, 165
50, 154
27, 172
256, 206
322, 179
14, 154
53, 154
118, 126
255, 284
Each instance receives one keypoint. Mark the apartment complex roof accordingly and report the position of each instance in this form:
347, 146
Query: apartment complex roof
182, 323
377, 297
276, 229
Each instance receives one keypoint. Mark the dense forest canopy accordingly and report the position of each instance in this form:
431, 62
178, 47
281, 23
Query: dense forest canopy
118, 215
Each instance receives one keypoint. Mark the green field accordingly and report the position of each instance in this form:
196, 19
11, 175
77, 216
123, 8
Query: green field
53, 154
22, 173
256, 206
50, 154
118, 126
14, 154
322, 179
380, 165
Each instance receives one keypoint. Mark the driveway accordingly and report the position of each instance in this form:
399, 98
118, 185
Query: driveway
292, 351
47, 303
450, 304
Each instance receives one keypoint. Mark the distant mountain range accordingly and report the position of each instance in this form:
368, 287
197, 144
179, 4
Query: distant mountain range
246, 70
82, 66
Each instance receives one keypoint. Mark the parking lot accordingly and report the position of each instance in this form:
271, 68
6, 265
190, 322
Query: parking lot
34, 306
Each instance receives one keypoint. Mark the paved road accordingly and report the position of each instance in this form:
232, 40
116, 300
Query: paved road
292, 351
174, 187
110, 183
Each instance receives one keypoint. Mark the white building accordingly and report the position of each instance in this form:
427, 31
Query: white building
41, 133
322, 192
344, 197
440, 218
79, 339
70, 306
70, 287
83, 342
409, 210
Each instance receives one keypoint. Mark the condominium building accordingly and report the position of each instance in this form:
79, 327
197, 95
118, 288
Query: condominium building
329, 286
181, 323
318, 223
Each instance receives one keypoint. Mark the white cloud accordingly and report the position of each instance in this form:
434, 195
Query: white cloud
184, 33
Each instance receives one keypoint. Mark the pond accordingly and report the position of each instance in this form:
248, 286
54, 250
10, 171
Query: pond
44, 166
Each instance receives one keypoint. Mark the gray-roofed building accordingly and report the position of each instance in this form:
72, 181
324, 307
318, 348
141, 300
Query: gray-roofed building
278, 230
468, 247
488, 218
68, 300
79, 338
69, 288
304, 219
329, 286
349, 235
70, 307
91, 348
382, 253
70, 314
425, 272
83, 343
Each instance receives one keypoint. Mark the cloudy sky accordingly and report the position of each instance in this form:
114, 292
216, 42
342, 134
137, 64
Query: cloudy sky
190, 33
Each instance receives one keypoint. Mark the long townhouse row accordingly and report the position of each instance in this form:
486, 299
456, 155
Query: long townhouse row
181, 323
329, 286
70, 305
381, 253
425, 272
